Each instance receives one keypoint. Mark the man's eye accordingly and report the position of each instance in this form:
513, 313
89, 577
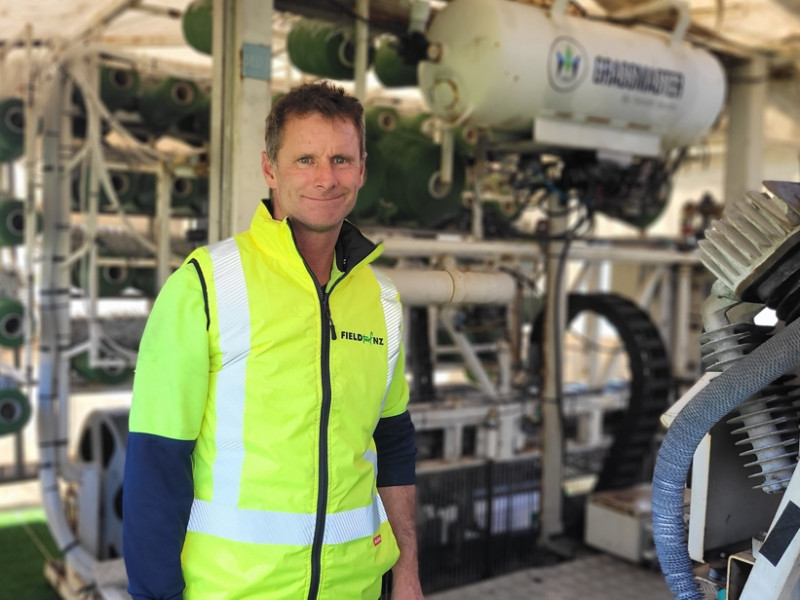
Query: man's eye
340, 160
305, 160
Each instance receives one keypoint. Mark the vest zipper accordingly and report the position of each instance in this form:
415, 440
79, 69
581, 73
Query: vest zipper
326, 314
322, 493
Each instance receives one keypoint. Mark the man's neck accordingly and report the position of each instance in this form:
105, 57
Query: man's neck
318, 250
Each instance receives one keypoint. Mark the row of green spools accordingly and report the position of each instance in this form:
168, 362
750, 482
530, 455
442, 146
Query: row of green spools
136, 193
401, 185
15, 410
316, 47
153, 107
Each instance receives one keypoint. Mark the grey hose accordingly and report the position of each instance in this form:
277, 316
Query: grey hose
766, 363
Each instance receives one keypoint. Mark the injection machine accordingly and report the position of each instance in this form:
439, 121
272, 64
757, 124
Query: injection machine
737, 428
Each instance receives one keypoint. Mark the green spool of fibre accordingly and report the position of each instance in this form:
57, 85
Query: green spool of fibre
418, 124
166, 102
111, 279
390, 68
413, 182
197, 25
11, 323
370, 194
324, 49
110, 375
12, 129
119, 88
197, 124
144, 280
126, 186
12, 222
145, 201
15, 410
189, 196
379, 120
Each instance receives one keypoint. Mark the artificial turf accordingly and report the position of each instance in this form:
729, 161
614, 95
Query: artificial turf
25, 546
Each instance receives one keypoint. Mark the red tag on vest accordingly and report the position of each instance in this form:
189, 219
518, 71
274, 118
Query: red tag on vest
376, 540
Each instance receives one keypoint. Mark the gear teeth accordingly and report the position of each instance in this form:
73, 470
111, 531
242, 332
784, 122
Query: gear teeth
754, 229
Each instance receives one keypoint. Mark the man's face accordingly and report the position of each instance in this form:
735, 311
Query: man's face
317, 174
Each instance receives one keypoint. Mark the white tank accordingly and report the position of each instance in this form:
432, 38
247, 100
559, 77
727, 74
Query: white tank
575, 82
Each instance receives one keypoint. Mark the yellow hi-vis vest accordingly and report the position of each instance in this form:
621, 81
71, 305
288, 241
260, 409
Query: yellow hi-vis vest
285, 499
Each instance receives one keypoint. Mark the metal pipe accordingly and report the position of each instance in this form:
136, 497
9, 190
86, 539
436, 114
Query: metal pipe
420, 11
104, 18
420, 288
554, 326
397, 247
747, 101
681, 23
361, 59
446, 161
30, 213
163, 194
54, 309
680, 325
447, 318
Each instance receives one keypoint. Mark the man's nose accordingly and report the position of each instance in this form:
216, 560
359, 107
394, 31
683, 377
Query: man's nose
324, 175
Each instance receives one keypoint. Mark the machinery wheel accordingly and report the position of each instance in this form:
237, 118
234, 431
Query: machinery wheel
648, 380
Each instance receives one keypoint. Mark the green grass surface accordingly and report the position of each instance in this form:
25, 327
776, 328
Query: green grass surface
25, 546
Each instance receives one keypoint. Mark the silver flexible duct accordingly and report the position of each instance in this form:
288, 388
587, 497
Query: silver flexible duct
756, 370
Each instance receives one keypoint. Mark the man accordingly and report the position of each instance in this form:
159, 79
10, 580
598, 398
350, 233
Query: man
270, 397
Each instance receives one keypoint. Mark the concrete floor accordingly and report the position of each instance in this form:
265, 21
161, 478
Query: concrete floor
595, 576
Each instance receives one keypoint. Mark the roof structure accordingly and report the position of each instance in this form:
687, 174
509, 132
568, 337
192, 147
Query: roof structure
735, 27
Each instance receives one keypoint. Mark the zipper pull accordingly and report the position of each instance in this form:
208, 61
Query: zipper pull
333, 329
329, 316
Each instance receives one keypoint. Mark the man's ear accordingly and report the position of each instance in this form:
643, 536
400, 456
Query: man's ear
268, 170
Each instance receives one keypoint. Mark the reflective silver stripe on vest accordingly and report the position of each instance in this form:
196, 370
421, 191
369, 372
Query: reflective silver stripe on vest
233, 315
292, 529
372, 457
393, 313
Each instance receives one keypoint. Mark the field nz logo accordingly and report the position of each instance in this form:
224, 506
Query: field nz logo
567, 64
362, 337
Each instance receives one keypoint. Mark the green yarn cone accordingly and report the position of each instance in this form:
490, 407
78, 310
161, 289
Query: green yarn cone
390, 69
12, 129
15, 411
12, 314
197, 25
165, 103
119, 88
324, 49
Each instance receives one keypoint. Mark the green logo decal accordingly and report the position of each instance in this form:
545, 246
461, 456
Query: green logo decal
361, 337
567, 64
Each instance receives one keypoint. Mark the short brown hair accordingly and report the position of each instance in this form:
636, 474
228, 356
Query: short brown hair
321, 98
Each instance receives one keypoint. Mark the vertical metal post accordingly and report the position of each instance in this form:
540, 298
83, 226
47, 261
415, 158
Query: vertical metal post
163, 195
94, 124
361, 61
554, 326
240, 101
745, 143
29, 285
681, 355
52, 402
481, 157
